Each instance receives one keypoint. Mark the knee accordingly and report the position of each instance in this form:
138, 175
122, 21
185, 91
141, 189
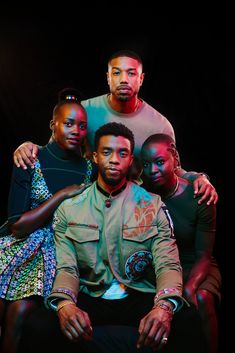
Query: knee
18, 309
205, 301
2, 310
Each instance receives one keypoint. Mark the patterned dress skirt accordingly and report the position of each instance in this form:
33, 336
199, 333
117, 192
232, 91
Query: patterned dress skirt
27, 266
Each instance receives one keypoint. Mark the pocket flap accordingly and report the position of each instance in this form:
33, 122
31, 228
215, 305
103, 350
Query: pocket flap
140, 233
82, 233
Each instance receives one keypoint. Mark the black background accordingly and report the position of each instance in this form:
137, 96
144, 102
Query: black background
189, 68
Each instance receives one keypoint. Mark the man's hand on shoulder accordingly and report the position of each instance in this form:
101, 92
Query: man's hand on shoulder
25, 155
203, 188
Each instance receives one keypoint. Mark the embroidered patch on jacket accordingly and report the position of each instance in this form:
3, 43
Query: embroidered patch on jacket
137, 263
144, 218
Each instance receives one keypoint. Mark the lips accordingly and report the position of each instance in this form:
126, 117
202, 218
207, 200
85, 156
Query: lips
155, 179
124, 89
113, 171
74, 141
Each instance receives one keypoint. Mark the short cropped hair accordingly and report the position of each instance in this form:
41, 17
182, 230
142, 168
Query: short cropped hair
160, 138
114, 129
168, 140
128, 53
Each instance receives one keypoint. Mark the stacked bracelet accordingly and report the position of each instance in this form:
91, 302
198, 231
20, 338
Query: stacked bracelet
63, 303
164, 306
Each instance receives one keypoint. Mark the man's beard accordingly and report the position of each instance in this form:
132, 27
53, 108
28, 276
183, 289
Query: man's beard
109, 180
124, 98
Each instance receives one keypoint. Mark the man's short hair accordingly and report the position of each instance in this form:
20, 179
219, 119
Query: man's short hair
128, 53
114, 129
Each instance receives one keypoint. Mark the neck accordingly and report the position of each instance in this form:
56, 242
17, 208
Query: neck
110, 195
61, 152
125, 107
110, 189
167, 191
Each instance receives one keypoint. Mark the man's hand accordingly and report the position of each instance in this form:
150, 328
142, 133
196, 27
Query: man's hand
25, 155
154, 328
75, 323
203, 187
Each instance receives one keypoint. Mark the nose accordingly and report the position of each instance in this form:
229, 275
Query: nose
76, 130
153, 168
114, 158
124, 77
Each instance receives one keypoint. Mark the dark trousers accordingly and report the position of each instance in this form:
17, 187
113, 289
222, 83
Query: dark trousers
115, 326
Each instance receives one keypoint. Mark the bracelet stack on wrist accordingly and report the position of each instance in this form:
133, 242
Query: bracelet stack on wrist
164, 306
63, 303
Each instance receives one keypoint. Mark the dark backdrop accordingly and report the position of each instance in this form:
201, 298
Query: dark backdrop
189, 79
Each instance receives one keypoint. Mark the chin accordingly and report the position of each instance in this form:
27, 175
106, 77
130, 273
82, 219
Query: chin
73, 149
123, 98
111, 181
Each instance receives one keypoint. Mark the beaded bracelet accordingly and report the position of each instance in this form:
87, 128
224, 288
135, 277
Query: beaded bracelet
165, 307
63, 303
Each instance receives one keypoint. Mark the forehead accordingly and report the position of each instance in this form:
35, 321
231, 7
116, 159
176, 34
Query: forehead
155, 149
114, 142
72, 110
124, 62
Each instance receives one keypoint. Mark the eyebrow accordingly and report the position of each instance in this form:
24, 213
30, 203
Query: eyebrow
73, 119
120, 149
129, 69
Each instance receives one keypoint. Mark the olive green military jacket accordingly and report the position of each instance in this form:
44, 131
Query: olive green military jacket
132, 240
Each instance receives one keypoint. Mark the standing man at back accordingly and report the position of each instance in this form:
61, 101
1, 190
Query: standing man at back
122, 105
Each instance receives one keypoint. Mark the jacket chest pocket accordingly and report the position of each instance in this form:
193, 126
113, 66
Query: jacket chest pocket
86, 243
139, 234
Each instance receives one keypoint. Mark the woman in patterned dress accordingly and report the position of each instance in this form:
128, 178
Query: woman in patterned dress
27, 253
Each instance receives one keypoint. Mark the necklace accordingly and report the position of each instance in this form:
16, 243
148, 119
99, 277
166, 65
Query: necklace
174, 190
108, 201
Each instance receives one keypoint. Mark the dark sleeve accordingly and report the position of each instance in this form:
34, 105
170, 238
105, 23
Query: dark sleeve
205, 229
191, 176
19, 196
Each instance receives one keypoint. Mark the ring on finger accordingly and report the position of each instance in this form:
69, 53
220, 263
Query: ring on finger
164, 339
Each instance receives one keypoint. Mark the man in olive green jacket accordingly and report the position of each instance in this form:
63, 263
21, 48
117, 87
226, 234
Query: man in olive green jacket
117, 259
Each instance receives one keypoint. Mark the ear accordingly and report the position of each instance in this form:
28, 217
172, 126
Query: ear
176, 159
142, 78
131, 160
107, 76
52, 124
95, 157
